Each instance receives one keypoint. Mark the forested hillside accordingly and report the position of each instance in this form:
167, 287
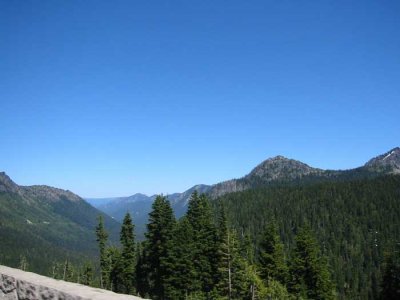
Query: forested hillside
355, 223
327, 240
41, 226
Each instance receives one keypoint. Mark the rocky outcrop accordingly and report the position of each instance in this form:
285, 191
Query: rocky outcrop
229, 186
42, 192
280, 167
389, 161
19, 285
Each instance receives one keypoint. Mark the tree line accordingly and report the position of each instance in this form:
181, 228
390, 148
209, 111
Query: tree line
200, 256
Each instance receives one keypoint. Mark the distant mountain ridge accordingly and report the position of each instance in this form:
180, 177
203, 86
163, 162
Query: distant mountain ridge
278, 169
43, 192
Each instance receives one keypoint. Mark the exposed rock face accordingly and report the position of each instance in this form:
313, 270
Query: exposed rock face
19, 285
390, 161
48, 193
280, 167
229, 186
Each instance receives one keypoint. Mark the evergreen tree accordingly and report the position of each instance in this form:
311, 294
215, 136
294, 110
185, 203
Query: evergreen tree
275, 290
117, 271
159, 236
238, 278
391, 276
200, 218
102, 236
309, 270
224, 255
225, 264
247, 248
180, 283
272, 258
127, 238
142, 270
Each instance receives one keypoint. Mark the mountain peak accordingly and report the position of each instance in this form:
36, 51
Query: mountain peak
278, 157
387, 161
280, 167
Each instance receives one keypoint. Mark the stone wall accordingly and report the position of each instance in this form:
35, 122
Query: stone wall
19, 285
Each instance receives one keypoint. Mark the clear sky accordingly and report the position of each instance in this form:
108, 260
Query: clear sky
110, 98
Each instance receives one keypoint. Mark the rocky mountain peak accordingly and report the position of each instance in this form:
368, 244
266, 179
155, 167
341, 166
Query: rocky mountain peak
387, 161
280, 167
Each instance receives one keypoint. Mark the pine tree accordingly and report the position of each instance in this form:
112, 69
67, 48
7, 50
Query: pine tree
102, 236
272, 258
159, 236
238, 278
180, 284
142, 270
309, 270
225, 264
127, 238
247, 248
200, 218
224, 255
116, 274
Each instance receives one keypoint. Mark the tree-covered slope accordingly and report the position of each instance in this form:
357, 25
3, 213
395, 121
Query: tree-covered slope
355, 221
46, 224
275, 171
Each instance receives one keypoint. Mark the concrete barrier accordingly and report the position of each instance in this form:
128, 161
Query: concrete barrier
19, 285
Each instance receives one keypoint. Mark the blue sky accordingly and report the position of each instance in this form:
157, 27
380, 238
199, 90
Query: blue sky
110, 98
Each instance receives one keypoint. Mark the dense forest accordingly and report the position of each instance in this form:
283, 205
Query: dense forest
201, 256
328, 240
321, 240
356, 222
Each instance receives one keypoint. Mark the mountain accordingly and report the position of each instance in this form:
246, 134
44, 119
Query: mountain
138, 205
276, 169
96, 202
47, 224
388, 162
281, 170
273, 171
